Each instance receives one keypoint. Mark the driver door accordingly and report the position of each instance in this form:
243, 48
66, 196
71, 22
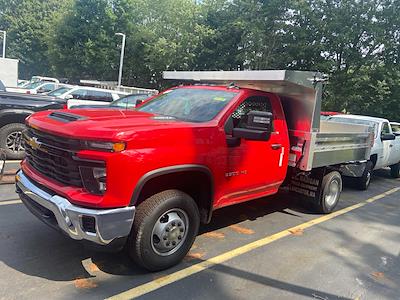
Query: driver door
387, 147
254, 168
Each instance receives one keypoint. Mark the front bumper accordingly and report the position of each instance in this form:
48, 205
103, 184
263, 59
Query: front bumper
101, 226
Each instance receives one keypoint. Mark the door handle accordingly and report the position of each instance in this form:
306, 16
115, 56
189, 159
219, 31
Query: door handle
390, 145
276, 146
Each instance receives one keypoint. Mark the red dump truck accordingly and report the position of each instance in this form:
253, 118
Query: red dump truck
147, 178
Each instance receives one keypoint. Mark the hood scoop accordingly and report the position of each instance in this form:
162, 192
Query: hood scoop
65, 117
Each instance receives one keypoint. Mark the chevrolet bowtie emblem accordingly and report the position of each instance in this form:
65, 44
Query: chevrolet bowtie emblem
34, 143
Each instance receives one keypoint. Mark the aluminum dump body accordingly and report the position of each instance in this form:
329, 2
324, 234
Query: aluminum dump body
313, 143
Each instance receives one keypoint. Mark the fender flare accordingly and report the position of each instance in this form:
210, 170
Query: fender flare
170, 170
15, 112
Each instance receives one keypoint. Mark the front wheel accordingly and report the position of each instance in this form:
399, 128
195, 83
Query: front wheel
331, 189
11, 140
362, 183
395, 170
165, 227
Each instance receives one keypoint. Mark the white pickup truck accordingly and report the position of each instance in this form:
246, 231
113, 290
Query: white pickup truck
385, 151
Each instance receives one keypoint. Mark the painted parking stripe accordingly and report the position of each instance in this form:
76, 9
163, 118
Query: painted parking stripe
206, 264
9, 202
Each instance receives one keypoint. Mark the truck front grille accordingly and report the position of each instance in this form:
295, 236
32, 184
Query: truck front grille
53, 156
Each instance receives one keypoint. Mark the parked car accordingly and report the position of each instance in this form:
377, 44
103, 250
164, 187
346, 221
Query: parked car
127, 102
44, 79
395, 128
32, 85
146, 178
82, 95
43, 87
385, 151
14, 108
22, 83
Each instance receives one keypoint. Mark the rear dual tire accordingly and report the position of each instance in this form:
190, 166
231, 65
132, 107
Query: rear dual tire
165, 227
331, 188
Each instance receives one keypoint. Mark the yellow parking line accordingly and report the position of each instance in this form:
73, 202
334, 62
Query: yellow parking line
168, 279
8, 202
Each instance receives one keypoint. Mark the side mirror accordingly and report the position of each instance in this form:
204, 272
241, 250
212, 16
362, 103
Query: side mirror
257, 128
138, 102
388, 137
69, 97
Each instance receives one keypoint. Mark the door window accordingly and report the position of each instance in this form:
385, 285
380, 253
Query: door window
385, 129
47, 87
79, 94
396, 129
258, 103
99, 96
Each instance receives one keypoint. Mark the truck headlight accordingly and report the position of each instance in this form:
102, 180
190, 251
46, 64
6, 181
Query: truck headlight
105, 146
94, 179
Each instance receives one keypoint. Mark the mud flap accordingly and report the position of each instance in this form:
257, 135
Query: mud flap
307, 185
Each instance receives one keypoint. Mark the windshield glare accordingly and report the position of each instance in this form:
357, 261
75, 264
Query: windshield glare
33, 85
188, 104
59, 91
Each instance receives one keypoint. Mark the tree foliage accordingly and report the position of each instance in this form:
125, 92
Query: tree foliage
28, 24
355, 42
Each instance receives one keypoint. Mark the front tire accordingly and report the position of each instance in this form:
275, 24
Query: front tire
331, 189
362, 183
395, 170
11, 139
165, 227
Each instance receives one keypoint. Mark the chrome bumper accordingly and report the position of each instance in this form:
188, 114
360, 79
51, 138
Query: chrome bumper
109, 224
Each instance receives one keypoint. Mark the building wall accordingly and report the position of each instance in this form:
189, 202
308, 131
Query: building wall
9, 71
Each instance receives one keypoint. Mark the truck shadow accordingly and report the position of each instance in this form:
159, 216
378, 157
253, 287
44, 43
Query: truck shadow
33, 249
283, 203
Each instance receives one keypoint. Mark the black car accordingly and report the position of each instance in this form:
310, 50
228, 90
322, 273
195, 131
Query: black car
14, 108
126, 102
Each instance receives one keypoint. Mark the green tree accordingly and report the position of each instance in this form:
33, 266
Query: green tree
83, 43
28, 23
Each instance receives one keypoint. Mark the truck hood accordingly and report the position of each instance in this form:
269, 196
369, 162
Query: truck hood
101, 124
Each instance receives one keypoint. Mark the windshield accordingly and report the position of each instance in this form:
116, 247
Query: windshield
59, 91
188, 104
373, 124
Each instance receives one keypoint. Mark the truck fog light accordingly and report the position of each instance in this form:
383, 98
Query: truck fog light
89, 224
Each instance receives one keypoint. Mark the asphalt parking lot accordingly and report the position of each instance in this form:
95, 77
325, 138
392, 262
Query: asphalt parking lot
271, 248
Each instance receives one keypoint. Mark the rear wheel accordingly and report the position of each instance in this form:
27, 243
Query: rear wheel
395, 170
164, 229
331, 189
11, 140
